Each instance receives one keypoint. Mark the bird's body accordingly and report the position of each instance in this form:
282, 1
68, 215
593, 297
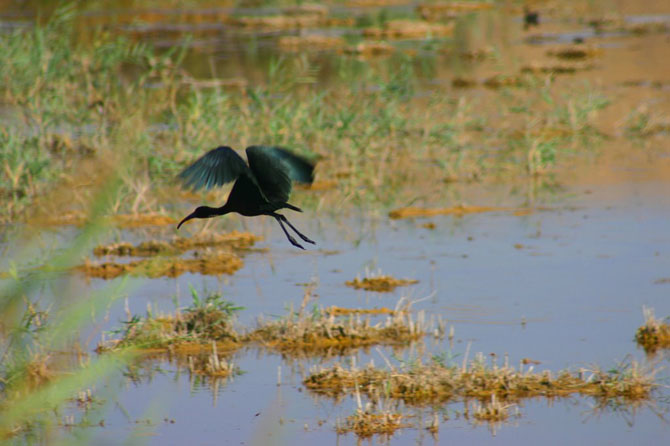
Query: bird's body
261, 188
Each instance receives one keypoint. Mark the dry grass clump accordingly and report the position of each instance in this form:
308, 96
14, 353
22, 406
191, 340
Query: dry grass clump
178, 245
504, 80
574, 52
212, 365
213, 263
322, 332
411, 212
654, 334
206, 322
365, 424
423, 384
339, 311
380, 283
38, 371
492, 411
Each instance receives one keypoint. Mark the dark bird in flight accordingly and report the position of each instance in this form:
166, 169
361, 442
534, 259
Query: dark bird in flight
261, 188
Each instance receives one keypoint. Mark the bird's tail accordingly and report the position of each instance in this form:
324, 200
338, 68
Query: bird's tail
293, 208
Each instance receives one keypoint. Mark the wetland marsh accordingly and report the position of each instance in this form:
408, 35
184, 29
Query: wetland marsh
491, 211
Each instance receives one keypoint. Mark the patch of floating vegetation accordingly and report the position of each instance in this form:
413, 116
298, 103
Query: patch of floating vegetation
366, 424
555, 68
339, 311
654, 334
219, 261
421, 384
504, 80
207, 323
207, 263
379, 283
323, 332
460, 210
574, 52
193, 330
120, 220
178, 245
409, 29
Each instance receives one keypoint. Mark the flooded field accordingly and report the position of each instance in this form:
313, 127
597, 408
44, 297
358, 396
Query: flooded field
491, 212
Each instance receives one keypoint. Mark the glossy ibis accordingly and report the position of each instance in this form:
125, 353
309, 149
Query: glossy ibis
261, 188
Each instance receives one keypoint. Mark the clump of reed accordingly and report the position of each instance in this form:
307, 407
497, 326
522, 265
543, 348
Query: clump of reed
321, 331
190, 330
654, 334
379, 282
212, 365
366, 424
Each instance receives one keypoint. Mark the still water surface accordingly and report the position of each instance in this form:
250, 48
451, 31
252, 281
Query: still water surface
563, 286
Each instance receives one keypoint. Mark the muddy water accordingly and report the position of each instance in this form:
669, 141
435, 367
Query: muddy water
564, 287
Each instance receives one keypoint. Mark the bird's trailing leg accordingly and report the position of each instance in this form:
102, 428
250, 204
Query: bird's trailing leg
288, 236
300, 234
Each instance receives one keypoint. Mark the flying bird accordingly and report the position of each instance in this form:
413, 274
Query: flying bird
261, 187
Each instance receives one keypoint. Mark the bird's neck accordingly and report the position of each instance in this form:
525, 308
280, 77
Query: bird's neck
213, 212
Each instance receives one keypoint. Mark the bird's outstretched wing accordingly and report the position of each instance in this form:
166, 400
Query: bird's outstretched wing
275, 168
215, 168
300, 169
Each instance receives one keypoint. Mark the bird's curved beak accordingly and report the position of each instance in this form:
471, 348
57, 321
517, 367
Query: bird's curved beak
187, 218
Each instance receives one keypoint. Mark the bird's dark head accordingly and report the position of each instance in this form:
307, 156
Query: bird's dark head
200, 212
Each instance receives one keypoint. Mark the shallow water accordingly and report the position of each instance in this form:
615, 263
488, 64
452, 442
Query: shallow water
569, 294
